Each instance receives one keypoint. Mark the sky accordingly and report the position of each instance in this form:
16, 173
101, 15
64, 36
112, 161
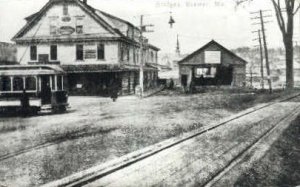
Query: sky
196, 21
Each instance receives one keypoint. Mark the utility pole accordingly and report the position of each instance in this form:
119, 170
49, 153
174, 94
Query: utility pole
263, 39
266, 50
141, 58
143, 28
261, 61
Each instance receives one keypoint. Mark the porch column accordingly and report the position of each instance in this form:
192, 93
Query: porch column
55, 82
50, 77
11, 84
24, 83
62, 82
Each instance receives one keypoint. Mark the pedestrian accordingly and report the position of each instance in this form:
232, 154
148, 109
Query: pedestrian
114, 90
171, 85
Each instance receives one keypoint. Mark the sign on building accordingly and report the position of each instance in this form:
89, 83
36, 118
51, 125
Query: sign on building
213, 57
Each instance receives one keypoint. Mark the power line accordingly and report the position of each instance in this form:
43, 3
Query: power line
263, 31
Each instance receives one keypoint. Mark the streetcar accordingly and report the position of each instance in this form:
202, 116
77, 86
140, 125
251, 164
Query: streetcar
43, 86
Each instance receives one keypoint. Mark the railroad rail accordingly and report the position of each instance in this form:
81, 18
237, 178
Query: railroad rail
218, 175
98, 172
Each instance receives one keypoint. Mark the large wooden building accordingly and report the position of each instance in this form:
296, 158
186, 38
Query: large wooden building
92, 46
212, 65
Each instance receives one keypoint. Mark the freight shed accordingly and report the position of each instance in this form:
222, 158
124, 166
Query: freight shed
212, 65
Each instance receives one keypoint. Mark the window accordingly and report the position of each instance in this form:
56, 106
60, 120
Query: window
5, 84
152, 56
53, 52
52, 81
209, 72
128, 53
79, 52
65, 9
59, 83
122, 53
134, 56
100, 52
30, 83
33, 53
79, 29
18, 84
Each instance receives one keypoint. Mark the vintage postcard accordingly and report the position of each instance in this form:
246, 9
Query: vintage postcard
149, 93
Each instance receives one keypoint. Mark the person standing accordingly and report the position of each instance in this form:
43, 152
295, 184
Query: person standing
114, 90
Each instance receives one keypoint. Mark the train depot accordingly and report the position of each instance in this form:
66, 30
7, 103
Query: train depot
94, 48
212, 65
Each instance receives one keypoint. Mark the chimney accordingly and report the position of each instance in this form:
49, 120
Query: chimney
85, 1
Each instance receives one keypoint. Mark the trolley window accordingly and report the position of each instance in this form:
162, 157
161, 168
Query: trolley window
53, 82
5, 84
30, 83
18, 84
59, 83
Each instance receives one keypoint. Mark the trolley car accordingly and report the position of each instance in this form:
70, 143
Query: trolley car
43, 86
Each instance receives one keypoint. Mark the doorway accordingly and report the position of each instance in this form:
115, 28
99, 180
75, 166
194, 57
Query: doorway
184, 79
45, 90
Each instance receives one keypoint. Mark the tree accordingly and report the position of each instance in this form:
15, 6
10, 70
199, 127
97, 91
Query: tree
286, 26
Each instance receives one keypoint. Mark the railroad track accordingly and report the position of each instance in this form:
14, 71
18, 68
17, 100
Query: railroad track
47, 144
92, 175
238, 158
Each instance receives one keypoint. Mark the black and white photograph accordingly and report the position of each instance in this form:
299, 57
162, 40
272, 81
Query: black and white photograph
134, 93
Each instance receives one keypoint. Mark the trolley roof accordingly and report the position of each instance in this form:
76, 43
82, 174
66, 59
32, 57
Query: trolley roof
29, 70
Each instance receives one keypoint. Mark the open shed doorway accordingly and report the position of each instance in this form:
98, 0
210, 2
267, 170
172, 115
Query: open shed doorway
213, 76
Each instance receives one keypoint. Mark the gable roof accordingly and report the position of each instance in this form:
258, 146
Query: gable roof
207, 45
105, 19
34, 18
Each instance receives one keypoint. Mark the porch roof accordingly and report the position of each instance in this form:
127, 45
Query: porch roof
101, 68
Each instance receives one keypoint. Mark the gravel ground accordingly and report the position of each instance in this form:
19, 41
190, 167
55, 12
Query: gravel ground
280, 166
96, 130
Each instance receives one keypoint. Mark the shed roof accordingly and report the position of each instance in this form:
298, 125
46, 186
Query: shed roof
206, 46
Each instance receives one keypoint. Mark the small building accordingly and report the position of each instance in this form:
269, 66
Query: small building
95, 48
212, 65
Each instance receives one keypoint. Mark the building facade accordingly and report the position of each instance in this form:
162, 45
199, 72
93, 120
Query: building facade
93, 47
212, 65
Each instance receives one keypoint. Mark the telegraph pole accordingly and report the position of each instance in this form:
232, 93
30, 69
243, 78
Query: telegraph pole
141, 58
261, 61
266, 50
264, 41
143, 28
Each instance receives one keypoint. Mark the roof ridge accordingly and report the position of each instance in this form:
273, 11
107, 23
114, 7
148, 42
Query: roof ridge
205, 46
115, 17
90, 10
